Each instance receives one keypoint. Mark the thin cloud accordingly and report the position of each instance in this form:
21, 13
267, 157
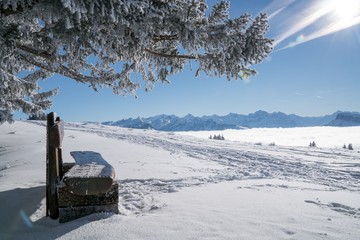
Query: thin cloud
300, 25
276, 7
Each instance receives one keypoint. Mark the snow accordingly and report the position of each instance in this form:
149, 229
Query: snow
329, 137
186, 186
89, 164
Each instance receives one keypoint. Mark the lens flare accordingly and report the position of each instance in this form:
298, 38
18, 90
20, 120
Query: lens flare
300, 38
25, 219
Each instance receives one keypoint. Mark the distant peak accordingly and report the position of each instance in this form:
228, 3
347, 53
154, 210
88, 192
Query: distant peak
261, 112
189, 116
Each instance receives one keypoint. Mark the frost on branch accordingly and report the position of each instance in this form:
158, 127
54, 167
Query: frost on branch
102, 43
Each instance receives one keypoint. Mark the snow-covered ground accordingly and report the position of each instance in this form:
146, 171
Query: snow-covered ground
328, 137
186, 186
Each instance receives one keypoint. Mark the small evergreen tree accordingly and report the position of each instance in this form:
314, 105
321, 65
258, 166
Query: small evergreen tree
350, 147
217, 137
344, 147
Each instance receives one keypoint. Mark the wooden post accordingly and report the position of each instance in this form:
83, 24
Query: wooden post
50, 123
52, 170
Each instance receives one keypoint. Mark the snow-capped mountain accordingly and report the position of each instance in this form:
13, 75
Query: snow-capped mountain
346, 119
259, 119
191, 123
138, 123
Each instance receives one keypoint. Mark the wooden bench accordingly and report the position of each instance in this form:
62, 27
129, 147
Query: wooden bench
77, 189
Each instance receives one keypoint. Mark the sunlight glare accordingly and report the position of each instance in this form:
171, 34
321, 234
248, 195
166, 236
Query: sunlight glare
325, 17
345, 9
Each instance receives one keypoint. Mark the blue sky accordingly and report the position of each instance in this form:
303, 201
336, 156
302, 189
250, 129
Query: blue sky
313, 78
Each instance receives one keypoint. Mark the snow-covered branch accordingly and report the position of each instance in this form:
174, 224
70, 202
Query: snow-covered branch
164, 55
102, 42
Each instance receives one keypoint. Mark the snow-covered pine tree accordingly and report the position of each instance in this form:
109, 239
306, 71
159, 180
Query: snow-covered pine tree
102, 42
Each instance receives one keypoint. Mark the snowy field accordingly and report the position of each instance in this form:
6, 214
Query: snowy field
186, 186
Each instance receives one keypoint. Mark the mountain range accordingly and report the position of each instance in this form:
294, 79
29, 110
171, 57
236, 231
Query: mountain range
259, 119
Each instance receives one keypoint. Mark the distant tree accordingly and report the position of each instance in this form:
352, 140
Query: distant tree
312, 144
101, 43
350, 147
344, 147
217, 137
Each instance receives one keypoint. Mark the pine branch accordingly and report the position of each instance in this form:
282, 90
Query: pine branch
73, 74
40, 53
11, 10
62, 70
173, 55
158, 38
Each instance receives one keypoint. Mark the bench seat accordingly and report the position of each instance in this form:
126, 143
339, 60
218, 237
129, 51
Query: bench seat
90, 175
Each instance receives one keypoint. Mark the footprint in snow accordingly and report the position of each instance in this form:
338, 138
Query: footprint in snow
3, 149
338, 207
4, 167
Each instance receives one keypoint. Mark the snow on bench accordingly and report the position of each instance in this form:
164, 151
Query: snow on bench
90, 175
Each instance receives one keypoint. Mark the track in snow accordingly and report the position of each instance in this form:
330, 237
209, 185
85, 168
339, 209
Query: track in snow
334, 169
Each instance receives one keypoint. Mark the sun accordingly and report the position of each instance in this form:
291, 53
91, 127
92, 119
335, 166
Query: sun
345, 10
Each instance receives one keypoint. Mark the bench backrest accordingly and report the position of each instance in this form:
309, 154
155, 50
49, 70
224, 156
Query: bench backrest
56, 134
54, 162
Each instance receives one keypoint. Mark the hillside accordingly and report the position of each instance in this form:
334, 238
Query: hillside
185, 187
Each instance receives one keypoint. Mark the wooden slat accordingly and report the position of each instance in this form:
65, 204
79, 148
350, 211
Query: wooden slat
68, 199
71, 213
56, 134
